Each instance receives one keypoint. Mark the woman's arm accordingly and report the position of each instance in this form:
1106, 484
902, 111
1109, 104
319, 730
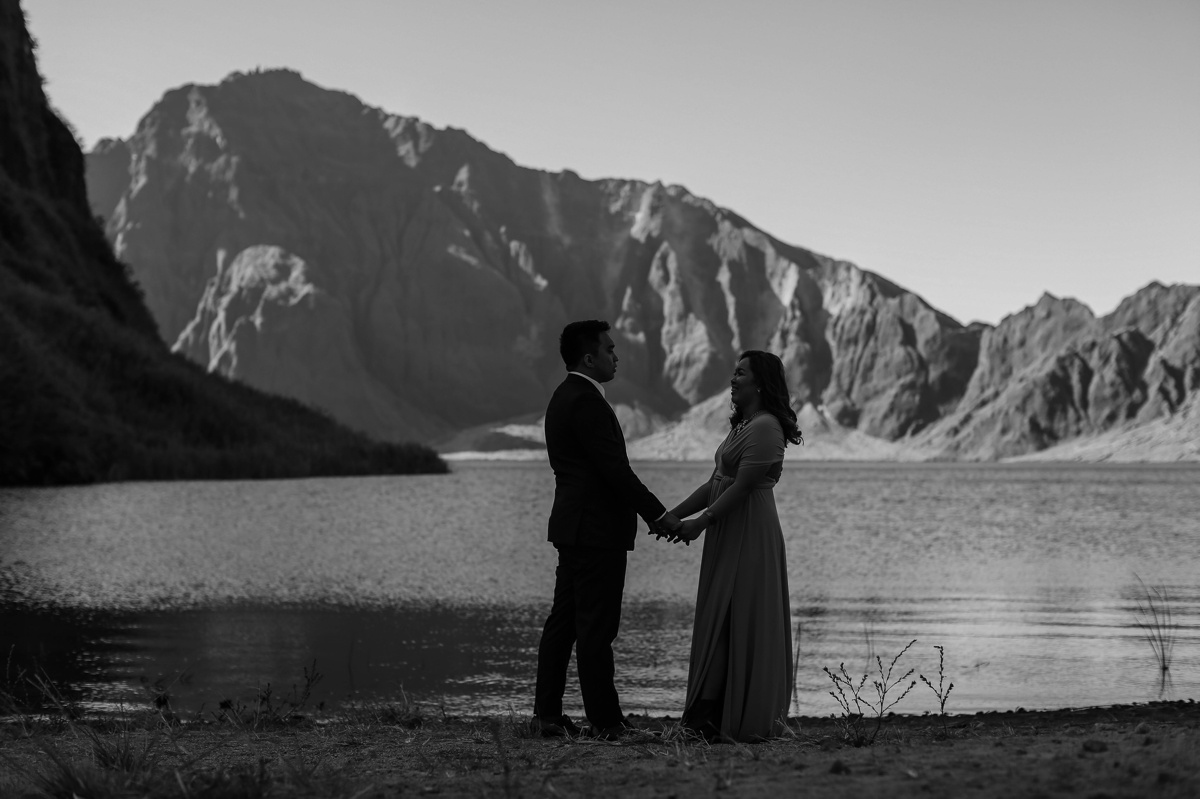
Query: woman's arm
748, 476
743, 484
763, 451
694, 503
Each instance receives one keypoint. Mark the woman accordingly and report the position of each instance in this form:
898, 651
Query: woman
740, 674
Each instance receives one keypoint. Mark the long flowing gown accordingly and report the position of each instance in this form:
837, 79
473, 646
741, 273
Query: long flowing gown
743, 582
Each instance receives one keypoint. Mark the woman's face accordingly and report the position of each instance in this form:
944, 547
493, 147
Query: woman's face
743, 388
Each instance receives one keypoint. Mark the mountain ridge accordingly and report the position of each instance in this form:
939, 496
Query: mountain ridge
88, 391
376, 227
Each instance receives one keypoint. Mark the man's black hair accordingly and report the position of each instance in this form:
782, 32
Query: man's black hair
579, 339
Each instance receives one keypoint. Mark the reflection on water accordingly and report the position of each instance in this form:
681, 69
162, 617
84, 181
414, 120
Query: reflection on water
437, 586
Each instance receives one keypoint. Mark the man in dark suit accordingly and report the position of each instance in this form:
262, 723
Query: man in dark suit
593, 524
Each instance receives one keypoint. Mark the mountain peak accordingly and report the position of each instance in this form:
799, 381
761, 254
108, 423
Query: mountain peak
277, 76
434, 265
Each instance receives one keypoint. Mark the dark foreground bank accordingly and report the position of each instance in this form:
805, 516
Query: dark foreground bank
389, 751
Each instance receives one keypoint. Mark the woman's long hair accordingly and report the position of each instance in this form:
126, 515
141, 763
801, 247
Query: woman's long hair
768, 374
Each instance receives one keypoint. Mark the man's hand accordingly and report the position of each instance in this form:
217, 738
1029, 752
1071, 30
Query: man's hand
667, 527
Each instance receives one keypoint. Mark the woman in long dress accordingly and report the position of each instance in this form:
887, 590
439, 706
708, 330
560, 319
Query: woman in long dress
740, 672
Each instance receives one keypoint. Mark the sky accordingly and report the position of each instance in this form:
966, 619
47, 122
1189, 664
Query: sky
977, 152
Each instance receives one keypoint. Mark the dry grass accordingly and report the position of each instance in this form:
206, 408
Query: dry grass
1130, 751
397, 749
860, 706
1159, 629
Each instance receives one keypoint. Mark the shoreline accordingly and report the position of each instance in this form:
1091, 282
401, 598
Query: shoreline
392, 751
539, 456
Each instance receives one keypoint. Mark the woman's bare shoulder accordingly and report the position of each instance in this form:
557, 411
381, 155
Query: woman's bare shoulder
767, 419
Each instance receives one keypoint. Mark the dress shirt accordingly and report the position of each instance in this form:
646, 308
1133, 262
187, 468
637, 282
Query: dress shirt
593, 381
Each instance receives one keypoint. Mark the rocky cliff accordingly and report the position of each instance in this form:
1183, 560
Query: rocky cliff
412, 282
88, 391
1054, 372
107, 174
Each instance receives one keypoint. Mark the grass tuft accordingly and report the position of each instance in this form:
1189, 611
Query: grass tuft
1158, 628
942, 695
271, 710
857, 704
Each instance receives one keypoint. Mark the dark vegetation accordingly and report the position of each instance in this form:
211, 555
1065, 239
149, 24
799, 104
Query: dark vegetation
83, 399
88, 392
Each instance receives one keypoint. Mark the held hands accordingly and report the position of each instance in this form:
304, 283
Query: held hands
670, 522
666, 527
674, 531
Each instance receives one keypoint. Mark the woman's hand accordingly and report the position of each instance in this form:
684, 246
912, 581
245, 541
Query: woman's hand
692, 529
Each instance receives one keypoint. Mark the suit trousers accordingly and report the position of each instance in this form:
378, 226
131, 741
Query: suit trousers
588, 587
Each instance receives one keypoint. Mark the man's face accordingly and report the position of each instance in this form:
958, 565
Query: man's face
604, 363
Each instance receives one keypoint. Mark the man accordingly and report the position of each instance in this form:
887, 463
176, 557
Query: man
593, 524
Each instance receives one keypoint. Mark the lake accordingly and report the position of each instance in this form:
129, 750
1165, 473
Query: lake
434, 588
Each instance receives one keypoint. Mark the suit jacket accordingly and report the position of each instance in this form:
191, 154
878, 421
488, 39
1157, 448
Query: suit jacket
597, 497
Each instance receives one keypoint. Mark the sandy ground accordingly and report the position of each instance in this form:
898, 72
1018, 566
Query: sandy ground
1126, 751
